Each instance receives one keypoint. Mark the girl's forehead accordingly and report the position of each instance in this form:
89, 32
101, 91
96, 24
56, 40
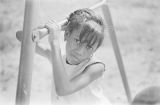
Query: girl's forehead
85, 28
94, 26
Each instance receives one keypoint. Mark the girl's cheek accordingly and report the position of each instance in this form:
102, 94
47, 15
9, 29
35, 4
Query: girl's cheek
74, 46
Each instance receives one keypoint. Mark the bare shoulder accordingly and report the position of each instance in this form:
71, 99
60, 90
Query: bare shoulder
90, 73
95, 70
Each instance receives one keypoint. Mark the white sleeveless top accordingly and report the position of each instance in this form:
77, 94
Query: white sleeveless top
90, 95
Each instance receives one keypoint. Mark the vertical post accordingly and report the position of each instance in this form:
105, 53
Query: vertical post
27, 55
112, 33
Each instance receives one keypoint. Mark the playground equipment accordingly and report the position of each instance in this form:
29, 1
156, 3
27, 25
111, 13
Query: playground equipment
27, 55
28, 48
148, 96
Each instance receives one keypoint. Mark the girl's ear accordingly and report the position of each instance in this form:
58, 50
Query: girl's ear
66, 35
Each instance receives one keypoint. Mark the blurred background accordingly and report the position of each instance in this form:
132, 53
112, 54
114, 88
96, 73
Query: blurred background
137, 25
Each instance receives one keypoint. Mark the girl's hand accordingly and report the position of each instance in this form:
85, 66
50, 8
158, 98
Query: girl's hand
19, 35
53, 31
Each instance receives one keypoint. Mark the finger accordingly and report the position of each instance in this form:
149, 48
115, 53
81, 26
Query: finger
47, 26
52, 21
51, 26
19, 35
55, 23
40, 27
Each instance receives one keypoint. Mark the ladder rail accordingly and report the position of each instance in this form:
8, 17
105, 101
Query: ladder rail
112, 33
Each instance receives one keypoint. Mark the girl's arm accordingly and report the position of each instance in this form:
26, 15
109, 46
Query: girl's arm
64, 84
43, 51
39, 48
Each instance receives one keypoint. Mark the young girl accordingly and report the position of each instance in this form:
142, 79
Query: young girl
76, 73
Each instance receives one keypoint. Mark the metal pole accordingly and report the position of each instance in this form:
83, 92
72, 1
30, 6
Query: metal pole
27, 55
38, 34
112, 33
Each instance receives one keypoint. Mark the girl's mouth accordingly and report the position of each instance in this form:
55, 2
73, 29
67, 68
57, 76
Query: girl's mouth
74, 56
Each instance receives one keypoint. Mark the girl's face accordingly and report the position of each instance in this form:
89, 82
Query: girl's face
76, 52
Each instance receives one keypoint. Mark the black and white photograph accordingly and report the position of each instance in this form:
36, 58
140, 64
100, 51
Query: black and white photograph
79, 52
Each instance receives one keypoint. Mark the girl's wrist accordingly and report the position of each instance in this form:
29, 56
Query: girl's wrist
53, 39
54, 43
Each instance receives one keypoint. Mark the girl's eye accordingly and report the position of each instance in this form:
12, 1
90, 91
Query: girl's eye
89, 47
77, 41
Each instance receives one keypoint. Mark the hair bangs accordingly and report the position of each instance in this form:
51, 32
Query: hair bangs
84, 34
96, 38
73, 25
90, 36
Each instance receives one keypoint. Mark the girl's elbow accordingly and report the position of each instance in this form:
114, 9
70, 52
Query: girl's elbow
63, 92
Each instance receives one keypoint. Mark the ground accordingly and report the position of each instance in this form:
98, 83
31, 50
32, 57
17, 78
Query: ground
136, 23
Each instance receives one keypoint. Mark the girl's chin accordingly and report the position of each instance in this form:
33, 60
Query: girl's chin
74, 62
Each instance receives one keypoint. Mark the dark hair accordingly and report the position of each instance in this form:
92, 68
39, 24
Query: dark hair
89, 22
